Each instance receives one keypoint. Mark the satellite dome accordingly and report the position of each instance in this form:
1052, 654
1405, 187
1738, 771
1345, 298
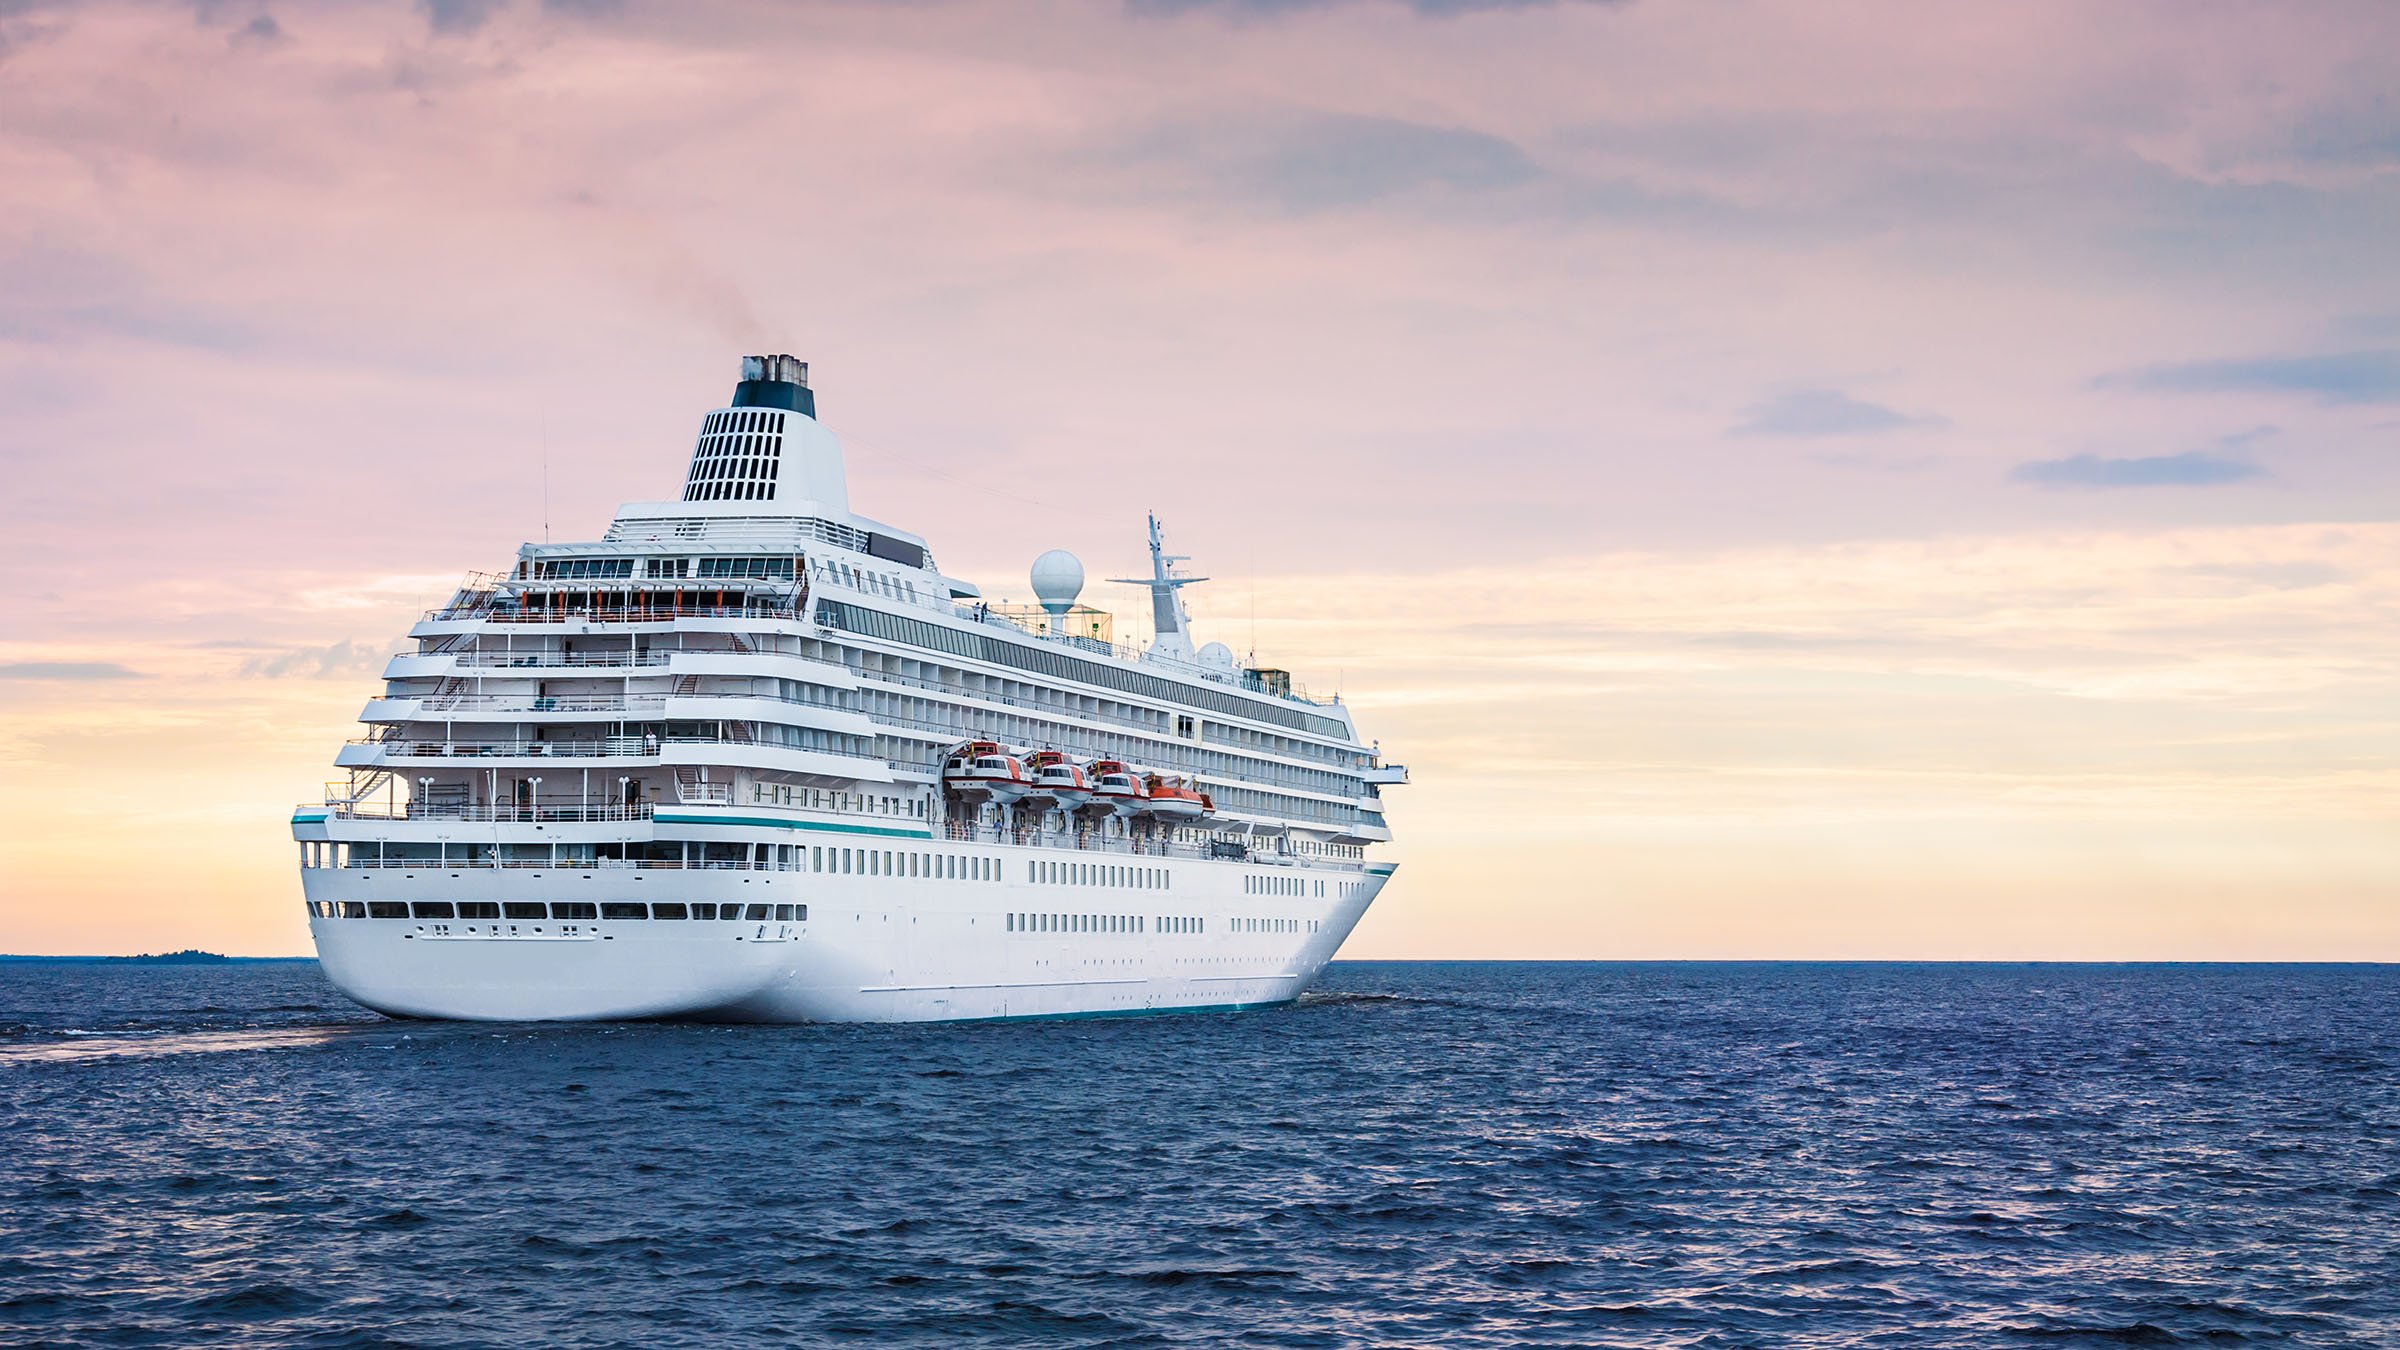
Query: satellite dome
1217, 656
1057, 580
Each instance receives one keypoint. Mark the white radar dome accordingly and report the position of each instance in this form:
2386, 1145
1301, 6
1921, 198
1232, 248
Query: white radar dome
1057, 580
1217, 655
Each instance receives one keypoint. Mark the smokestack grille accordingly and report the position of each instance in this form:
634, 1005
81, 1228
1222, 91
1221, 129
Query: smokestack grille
739, 457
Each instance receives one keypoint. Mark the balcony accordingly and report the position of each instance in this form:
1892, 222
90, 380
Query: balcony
569, 813
651, 704
487, 613
566, 660
398, 754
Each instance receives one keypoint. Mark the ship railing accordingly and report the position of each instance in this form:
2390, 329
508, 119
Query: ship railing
540, 702
608, 613
962, 690
465, 854
542, 813
580, 660
978, 612
604, 747
1214, 775
1072, 843
463, 858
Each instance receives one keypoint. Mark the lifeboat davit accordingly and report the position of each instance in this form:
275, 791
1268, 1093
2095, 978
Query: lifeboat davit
985, 769
1177, 803
1117, 790
1055, 780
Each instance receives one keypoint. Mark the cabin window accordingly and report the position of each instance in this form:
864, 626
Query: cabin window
478, 909
624, 909
387, 909
758, 912
526, 909
574, 909
434, 909
668, 910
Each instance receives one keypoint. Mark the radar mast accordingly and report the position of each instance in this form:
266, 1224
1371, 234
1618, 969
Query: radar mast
1173, 626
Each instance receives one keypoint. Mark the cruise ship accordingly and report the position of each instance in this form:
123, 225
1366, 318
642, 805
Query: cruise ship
750, 756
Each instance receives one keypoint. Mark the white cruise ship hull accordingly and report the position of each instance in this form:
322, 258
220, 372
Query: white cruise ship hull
752, 756
872, 949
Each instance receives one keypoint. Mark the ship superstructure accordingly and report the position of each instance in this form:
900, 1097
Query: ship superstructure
751, 756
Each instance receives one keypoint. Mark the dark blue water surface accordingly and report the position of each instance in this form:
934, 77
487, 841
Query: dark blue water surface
1427, 1155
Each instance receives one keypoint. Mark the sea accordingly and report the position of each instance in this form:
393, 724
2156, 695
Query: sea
1416, 1154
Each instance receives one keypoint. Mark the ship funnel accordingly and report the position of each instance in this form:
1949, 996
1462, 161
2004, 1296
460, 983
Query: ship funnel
766, 447
775, 382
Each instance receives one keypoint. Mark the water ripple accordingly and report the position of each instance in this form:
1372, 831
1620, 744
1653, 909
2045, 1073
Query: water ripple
1453, 1155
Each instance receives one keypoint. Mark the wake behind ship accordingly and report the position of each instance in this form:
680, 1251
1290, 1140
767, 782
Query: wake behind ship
751, 756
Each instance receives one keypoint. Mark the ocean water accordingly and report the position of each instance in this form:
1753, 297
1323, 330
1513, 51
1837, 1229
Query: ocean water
1419, 1155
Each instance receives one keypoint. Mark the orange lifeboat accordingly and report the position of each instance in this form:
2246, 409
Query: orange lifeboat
1177, 803
1055, 780
1117, 789
980, 770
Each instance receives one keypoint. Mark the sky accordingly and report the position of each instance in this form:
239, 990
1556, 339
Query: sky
1791, 480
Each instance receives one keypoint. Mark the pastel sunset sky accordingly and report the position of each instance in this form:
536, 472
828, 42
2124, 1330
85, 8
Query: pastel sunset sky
1792, 480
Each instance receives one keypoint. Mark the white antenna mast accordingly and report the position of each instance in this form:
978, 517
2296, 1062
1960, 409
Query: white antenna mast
1170, 624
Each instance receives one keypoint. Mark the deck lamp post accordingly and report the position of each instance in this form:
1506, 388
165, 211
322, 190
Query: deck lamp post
534, 806
623, 796
424, 803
